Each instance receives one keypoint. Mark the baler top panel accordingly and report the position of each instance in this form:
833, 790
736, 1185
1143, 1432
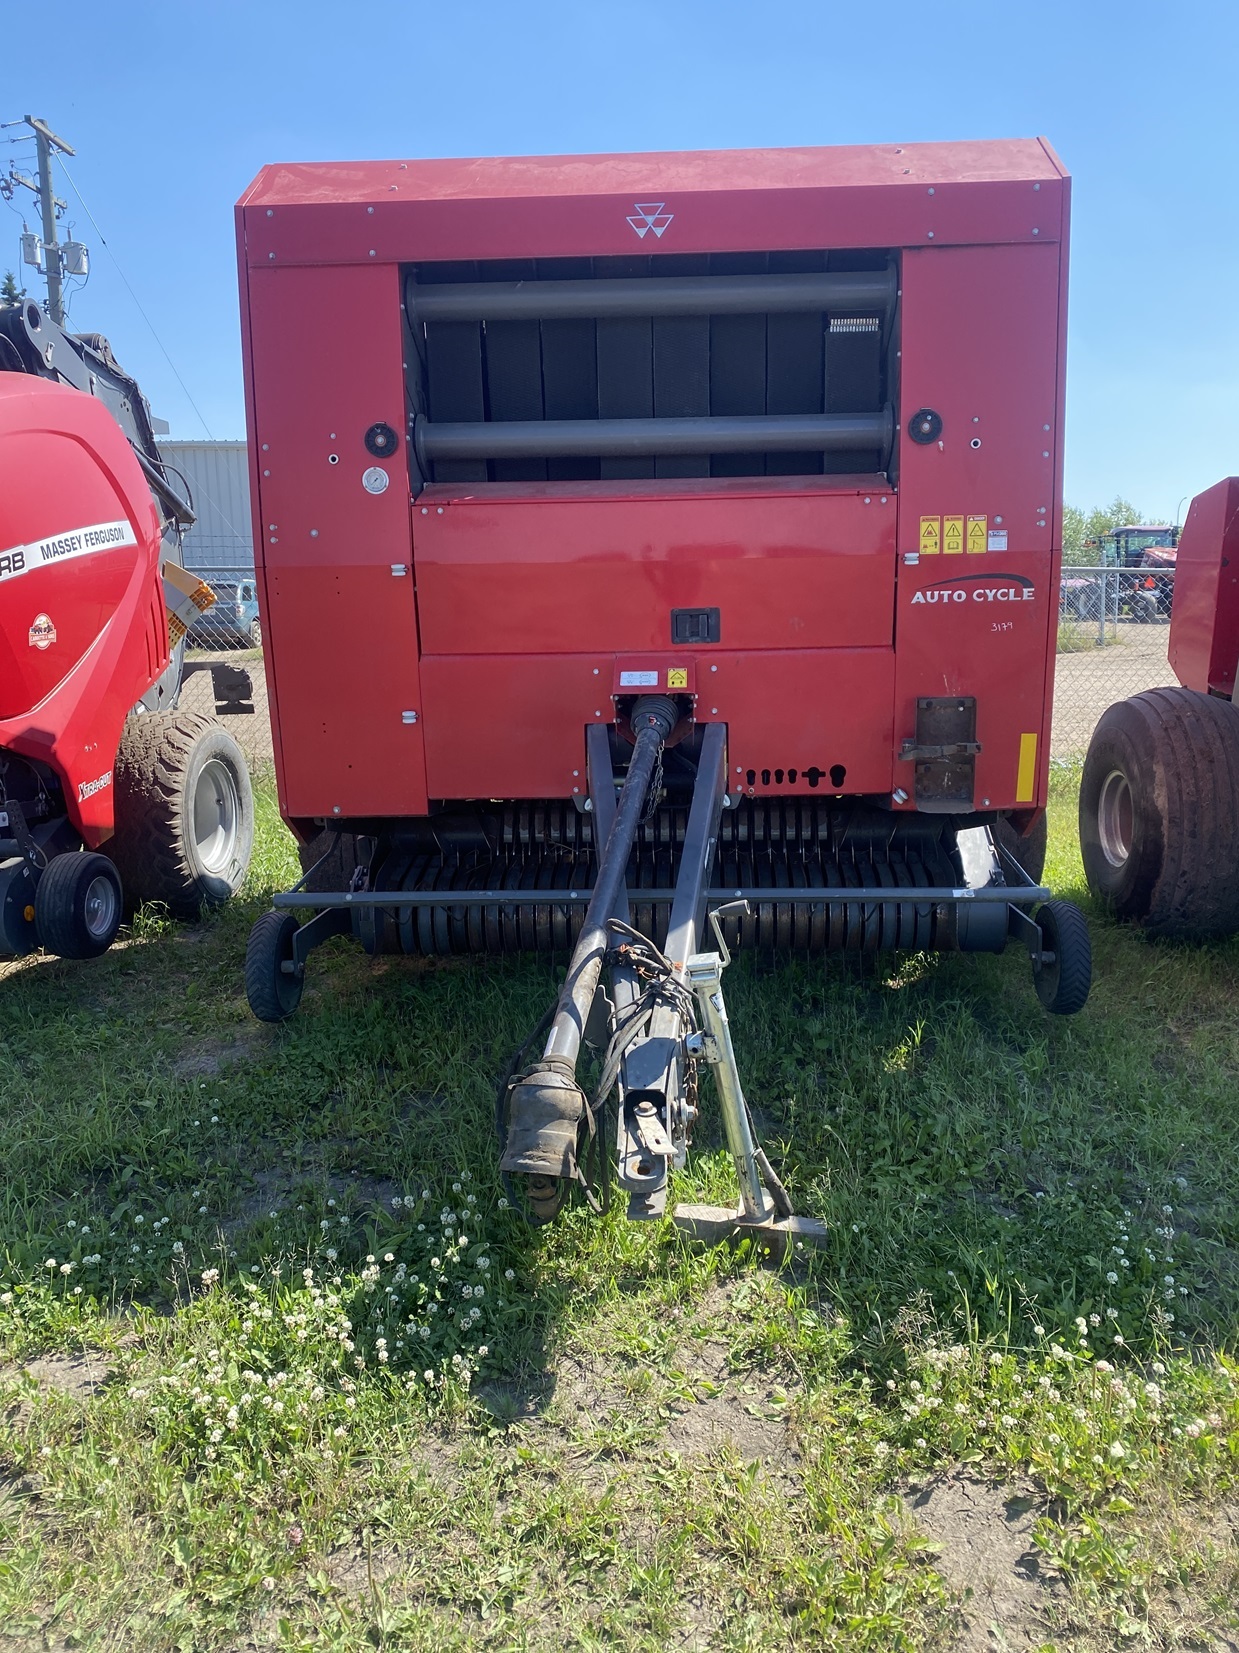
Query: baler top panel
877, 195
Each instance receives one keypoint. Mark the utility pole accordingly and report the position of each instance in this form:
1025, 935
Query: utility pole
46, 140
53, 257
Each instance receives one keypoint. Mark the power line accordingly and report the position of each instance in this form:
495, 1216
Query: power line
120, 272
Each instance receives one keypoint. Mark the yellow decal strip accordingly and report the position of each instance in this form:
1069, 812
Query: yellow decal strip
952, 535
976, 534
1026, 777
931, 536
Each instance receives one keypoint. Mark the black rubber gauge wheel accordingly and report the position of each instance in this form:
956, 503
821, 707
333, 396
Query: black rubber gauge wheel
1159, 813
78, 905
273, 992
1064, 976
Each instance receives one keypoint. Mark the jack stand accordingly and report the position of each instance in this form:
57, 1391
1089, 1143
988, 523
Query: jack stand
765, 1212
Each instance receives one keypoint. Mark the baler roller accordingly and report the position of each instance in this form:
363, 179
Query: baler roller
638, 438
837, 293
833, 924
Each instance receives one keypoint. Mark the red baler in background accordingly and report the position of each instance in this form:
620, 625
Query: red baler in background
93, 753
1159, 795
734, 478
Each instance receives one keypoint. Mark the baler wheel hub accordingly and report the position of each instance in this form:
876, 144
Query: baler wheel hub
216, 817
1115, 818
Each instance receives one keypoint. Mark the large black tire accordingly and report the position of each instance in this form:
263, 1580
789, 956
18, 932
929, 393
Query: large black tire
184, 812
1063, 981
1159, 813
78, 905
273, 992
1028, 851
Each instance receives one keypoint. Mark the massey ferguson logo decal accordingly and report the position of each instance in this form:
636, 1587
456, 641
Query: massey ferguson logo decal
979, 588
649, 215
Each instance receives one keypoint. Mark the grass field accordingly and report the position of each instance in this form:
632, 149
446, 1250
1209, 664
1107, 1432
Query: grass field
278, 1369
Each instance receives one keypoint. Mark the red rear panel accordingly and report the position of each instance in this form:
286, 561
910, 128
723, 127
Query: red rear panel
522, 609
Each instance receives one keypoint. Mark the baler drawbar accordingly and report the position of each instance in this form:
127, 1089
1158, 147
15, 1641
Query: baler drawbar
644, 503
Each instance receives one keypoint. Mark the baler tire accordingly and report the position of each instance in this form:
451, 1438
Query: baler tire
1159, 813
273, 992
1029, 851
184, 812
78, 904
1063, 984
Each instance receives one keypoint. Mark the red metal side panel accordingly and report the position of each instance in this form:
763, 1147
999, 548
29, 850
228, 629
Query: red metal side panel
1204, 624
979, 556
586, 566
513, 726
340, 629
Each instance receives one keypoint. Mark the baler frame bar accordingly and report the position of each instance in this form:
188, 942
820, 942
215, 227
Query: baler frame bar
1023, 895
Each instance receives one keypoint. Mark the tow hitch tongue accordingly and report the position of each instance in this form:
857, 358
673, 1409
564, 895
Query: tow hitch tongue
663, 1017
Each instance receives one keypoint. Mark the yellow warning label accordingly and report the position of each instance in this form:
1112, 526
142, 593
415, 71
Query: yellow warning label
931, 536
1026, 775
677, 677
976, 534
952, 535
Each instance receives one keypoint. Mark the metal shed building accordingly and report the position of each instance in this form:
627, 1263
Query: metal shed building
218, 476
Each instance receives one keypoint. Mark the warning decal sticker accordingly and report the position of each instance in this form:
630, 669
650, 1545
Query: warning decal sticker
677, 677
931, 536
976, 534
952, 535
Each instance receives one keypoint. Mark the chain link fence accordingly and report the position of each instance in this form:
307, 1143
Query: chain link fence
1113, 629
1113, 632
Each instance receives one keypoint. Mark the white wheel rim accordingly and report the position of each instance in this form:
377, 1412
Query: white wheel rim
1114, 818
216, 815
99, 910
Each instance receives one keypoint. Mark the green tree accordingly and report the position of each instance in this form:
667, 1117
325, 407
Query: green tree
10, 292
1079, 528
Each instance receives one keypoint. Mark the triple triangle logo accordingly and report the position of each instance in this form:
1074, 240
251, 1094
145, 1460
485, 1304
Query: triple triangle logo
649, 215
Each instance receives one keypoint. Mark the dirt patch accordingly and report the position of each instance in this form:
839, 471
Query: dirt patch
986, 1553
210, 1056
726, 1422
81, 1376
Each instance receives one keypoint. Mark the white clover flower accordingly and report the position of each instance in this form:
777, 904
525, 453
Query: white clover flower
1112, 1278
509, 1274
66, 1268
210, 1276
50, 1264
6, 1297
483, 1263
483, 1351
202, 1210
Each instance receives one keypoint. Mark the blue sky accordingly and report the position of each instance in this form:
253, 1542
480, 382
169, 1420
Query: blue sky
173, 108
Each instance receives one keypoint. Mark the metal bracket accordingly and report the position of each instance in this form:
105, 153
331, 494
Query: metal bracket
910, 752
765, 1212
